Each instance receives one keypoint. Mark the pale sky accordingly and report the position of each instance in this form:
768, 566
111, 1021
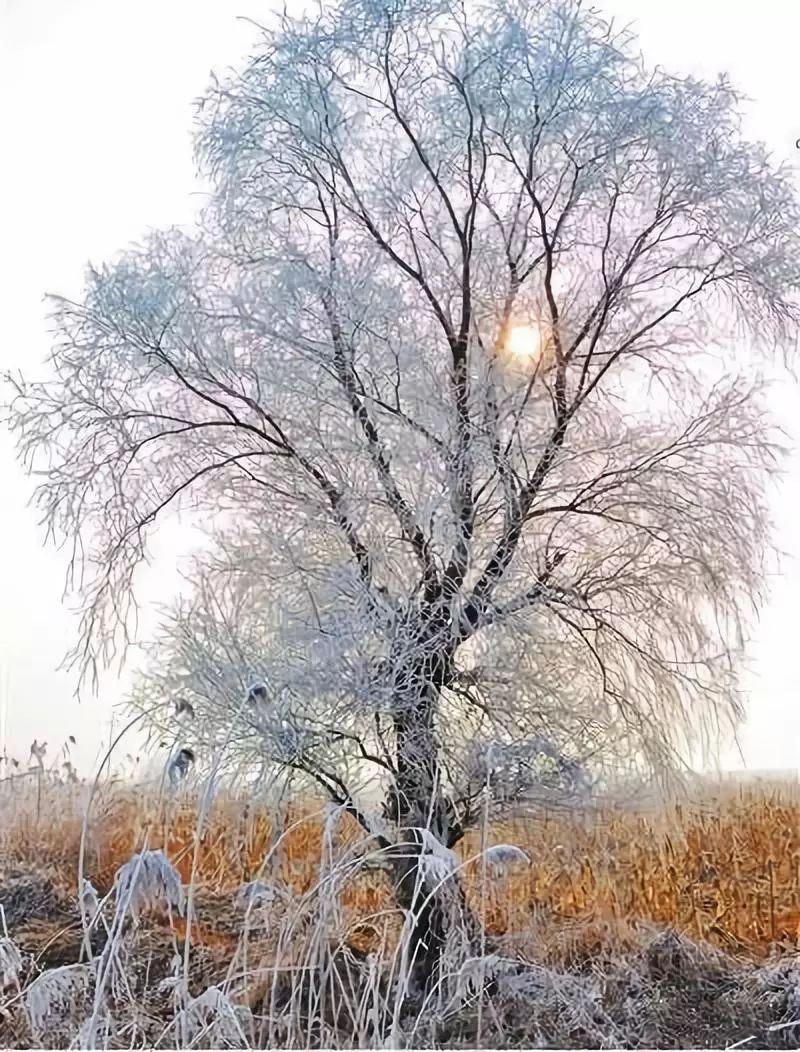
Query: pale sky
96, 109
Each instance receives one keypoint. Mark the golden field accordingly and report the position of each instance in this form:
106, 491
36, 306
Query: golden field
666, 926
722, 868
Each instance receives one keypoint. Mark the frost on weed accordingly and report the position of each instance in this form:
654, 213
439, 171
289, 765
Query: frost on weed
437, 862
148, 881
10, 963
90, 902
212, 1021
506, 855
57, 1000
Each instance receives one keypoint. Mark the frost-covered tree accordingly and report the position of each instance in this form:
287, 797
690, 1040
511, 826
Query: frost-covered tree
462, 363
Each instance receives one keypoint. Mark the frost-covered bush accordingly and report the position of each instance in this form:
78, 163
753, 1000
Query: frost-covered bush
148, 881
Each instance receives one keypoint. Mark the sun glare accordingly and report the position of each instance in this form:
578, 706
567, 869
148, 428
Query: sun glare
524, 341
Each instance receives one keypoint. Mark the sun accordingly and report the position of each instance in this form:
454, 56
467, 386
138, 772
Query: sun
524, 341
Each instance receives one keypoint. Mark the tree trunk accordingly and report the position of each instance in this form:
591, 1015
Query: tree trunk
417, 802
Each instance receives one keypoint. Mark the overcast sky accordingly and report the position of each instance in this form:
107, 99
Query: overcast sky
96, 107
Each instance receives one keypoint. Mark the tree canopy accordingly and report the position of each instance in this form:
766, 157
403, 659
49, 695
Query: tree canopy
461, 363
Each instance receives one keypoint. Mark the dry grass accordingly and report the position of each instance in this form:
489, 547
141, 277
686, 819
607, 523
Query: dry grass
722, 871
725, 869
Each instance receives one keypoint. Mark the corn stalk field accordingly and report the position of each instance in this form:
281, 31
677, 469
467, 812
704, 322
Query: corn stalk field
276, 925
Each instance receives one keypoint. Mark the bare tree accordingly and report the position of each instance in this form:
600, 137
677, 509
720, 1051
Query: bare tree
462, 360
